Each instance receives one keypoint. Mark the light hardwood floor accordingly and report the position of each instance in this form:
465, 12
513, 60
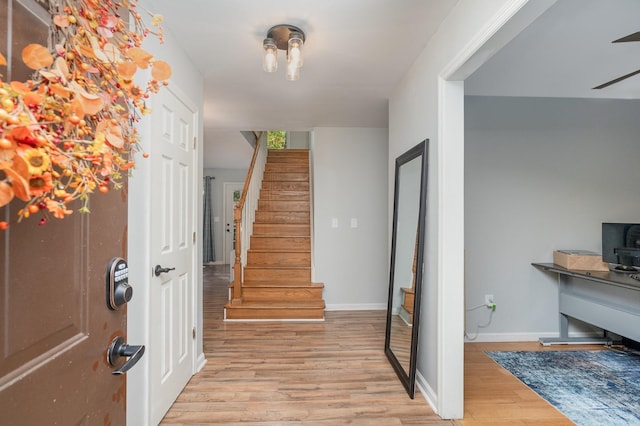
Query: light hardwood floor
331, 373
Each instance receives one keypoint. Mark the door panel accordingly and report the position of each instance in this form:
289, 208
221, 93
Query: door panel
59, 326
171, 296
55, 326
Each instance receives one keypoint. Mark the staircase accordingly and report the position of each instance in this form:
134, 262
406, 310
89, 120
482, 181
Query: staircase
277, 276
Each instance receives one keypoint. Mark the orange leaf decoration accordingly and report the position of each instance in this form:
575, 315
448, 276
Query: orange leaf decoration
6, 194
140, 56
75, 107
21, 167
127, 70
62, 68
61, 20
36, 56
112, 132
32, 98
86, 51
161, 70
21, 134
19, 185
91, 104
3, 60
114, 136
20, 87
112, 53
61, 91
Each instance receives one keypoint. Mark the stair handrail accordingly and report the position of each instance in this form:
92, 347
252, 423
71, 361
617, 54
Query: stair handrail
244, 213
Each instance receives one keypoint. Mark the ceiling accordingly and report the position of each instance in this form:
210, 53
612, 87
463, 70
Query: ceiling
566, 52
356, 51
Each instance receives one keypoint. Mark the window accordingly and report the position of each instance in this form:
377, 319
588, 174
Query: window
276, 139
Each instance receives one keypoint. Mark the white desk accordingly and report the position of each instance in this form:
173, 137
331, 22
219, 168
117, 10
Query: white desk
608, 300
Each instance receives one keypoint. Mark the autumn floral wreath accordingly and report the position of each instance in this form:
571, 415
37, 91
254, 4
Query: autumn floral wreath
70, 130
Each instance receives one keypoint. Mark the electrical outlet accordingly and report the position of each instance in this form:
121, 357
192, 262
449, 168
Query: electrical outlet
488, 300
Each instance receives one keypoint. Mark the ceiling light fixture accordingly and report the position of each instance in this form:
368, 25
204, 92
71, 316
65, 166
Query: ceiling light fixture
284, 37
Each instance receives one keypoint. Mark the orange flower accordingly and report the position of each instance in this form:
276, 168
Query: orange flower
40, 184
57, 209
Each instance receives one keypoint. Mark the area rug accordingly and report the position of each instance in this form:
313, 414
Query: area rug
589, 387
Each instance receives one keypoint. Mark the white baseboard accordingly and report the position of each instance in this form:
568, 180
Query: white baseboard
427, 392
524, 337
200, 362
357, 307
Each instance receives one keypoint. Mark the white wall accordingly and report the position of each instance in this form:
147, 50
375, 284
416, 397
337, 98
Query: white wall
350, 182
188, 82
425, 105
540, 175
222, 176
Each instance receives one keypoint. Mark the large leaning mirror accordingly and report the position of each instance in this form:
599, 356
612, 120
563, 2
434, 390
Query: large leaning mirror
407, 253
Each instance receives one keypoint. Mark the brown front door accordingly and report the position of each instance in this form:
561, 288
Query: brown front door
55, 326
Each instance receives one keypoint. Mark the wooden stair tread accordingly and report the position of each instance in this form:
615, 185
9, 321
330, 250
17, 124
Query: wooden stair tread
302, 304
280, 250
407, 289
277, 277
276, 267
281, 284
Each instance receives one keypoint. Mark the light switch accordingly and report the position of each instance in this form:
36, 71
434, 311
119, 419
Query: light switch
334, 222
216, 218
354, 222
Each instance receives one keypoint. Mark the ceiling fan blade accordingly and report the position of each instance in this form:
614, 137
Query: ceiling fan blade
630, 37
617, 80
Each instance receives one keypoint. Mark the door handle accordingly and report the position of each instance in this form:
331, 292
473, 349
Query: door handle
118, 349
160, 270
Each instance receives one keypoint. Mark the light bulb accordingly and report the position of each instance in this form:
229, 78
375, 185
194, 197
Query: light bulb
294, 49
270, 59
293, 72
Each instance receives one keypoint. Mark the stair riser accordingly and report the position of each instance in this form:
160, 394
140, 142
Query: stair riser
301, 218
289, 153
285, 162
278, 259
277, 275
283, 206
293, 177
408, 302
292, 314
271, 229
275, 294
286, 185
270, 194
287, 243
280, 167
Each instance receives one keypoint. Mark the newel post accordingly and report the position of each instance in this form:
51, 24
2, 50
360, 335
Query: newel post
237, 266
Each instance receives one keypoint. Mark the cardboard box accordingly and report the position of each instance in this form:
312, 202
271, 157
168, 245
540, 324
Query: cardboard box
581, 260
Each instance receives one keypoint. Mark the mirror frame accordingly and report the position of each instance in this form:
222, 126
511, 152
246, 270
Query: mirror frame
408, 378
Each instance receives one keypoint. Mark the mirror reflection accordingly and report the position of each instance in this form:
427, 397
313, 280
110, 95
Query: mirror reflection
406, 260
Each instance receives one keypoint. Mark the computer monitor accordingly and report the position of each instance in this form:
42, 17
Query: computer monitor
621, 246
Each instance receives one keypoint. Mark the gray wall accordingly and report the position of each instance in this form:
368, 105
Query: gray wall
222, 176
350, 181
298, 140
540, 175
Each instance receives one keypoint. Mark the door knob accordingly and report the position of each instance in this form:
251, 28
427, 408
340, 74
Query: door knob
118, 349
160, 270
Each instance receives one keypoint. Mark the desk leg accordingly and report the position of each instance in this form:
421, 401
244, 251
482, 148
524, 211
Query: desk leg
564, 326
564, 338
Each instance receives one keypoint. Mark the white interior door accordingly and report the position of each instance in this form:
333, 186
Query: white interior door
172, 247
232, 193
